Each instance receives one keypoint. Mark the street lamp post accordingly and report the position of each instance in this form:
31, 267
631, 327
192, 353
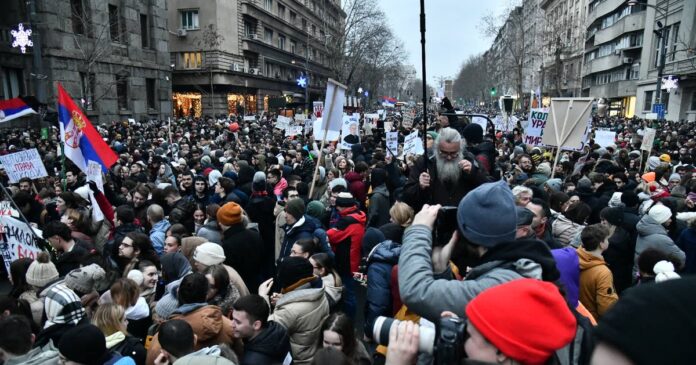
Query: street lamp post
663, 50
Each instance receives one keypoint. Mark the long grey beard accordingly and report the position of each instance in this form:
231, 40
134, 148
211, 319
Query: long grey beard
448, 171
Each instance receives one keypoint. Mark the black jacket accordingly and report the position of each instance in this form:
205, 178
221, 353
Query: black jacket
133, 348
269, 347
243, 248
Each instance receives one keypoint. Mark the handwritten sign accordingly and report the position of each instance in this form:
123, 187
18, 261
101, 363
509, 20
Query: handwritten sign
16, 240
23, 164
393, 143
648, 139
534, 132
283, 122
293, 130
300, 117
408, 120
412, 144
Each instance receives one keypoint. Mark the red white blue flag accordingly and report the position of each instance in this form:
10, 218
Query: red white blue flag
14, 108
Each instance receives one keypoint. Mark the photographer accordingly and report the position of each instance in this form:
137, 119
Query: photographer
487, 223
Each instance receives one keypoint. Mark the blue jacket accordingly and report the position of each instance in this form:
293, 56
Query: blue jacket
158, 234
303, 228
379, 268
687, 242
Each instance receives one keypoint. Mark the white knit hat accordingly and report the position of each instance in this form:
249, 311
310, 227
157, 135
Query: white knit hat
209, 254
664, 270
660, 213
42, 271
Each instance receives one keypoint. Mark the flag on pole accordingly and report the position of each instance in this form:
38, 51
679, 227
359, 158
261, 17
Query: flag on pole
14, 108
82, 142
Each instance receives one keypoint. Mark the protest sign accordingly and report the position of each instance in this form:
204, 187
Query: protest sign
388, 126
412, 144
333, 106
535, 127
308, 126
317, 108
605, 138
393, 143
21, 164
407, 121
568, 120
648, 139
350, 133
371, 116
16, 240
499, 122
300, 117
283, 122
294, 130
382, 113
94, 173
480, 120
250, 118
319, 133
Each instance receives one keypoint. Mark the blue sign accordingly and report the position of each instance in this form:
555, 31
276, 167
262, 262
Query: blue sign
660, 110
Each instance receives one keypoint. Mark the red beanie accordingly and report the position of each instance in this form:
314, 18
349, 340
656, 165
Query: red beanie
234, 127
526, 319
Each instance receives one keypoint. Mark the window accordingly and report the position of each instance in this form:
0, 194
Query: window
122, 92
269, 69
79, 19
189, 19
114, 24
281, 41
674, 42
293, 46
144, 31
249, 29
193, 60
635, 71
314, 29
88, 86
268, 35
12, 82
151, 91
281, 11
293, 17
304, 24
647, 103
693, 100
268, 5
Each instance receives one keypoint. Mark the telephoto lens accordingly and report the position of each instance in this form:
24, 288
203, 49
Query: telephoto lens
380, 332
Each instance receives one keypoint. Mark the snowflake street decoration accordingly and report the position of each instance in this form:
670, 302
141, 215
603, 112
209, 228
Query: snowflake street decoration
670, 83
21, 38
302, 82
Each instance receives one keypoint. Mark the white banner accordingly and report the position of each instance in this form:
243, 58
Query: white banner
283, 122
294, 130
319, 132
16, 240
393, 143
23, 164
300, 117
250, 118
605, 138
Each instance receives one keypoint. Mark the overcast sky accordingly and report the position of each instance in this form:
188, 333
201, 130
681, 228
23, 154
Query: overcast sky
452, 31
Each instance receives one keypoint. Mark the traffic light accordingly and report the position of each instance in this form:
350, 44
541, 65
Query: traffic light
492, 91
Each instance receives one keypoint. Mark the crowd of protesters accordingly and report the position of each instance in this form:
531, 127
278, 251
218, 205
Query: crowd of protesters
221, 240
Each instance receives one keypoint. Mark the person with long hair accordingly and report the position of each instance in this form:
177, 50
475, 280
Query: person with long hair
126, 293
134, 247
111, 319
338, 332
221, 291
333, 285
18, 271
78, 224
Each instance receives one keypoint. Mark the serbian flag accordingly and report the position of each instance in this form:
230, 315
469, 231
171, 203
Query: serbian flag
82, 142
14, 108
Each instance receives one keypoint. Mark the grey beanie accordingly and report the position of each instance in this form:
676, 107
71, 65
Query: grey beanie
554, 184
653, 162
83, 280
487, 215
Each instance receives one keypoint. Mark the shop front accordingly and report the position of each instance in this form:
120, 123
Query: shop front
187, 104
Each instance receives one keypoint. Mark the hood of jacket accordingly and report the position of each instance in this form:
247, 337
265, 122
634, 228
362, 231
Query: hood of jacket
270, 341
301, 295
304, 224
356, 214
647, 226
588, 260
352, 177
47, 354
114, 339
161, 226
530, 258
206, 320
381, 190
205, 356
387, 252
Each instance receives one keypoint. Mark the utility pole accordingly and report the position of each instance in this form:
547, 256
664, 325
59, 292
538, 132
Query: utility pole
39, 77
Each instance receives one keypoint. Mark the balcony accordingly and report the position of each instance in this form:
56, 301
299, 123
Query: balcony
603, 63
614, 89
627, 24
603, 9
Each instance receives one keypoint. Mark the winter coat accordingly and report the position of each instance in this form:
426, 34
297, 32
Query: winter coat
378, 212
182, 212
654, 235
127, 345
302, 229
346, 240
206, 356
302, 312
207, 322
687, 242
564, 230
429, 297
237, 280
211, 232
379, 267
357, 187
69, 261
157, 235
260, 210
270, 346
438, 192
334, 289
42, 355
597, 291
619, 258
243, 251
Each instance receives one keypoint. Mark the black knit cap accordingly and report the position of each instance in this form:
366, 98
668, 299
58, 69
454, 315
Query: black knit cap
653, 323
84, 344
613, 215
473, 133
345, 200
291, 270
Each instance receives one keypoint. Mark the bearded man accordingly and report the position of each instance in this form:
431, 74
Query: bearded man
445, 177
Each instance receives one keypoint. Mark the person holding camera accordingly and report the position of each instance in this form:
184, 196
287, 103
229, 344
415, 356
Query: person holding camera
446, 177
486, 225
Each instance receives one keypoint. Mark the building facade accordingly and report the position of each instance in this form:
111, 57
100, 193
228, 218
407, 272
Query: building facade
612, 59
239, 57
678, 47
112, 56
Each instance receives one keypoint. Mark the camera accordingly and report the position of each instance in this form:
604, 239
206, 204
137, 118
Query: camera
445, 343
445, 225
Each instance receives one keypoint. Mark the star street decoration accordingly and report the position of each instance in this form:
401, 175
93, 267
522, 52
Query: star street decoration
21, 38
302, 82
670, 83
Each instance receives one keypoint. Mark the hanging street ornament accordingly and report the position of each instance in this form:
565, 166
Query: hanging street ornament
21, 38
302, 82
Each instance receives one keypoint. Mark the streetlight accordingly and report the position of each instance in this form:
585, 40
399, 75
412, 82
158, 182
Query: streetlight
661, 35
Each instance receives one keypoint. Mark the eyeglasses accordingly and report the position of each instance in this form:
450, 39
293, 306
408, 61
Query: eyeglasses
449, 154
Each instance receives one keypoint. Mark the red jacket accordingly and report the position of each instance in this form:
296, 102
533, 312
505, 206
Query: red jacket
346, 240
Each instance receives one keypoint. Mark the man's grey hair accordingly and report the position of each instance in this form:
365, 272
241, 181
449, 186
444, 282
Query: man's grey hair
155, 213
519, 189
448, 135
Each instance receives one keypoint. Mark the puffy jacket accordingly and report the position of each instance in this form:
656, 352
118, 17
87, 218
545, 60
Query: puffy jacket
270, 346
379, 267
211, 232
207, 322
428, 296
687, 242
346, 240
334, 289
157, 235
597, 291
44, 355
564, 230
302, 229
302, 312
654, 235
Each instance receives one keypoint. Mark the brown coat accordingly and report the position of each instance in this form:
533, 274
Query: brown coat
597, 291
208, 324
